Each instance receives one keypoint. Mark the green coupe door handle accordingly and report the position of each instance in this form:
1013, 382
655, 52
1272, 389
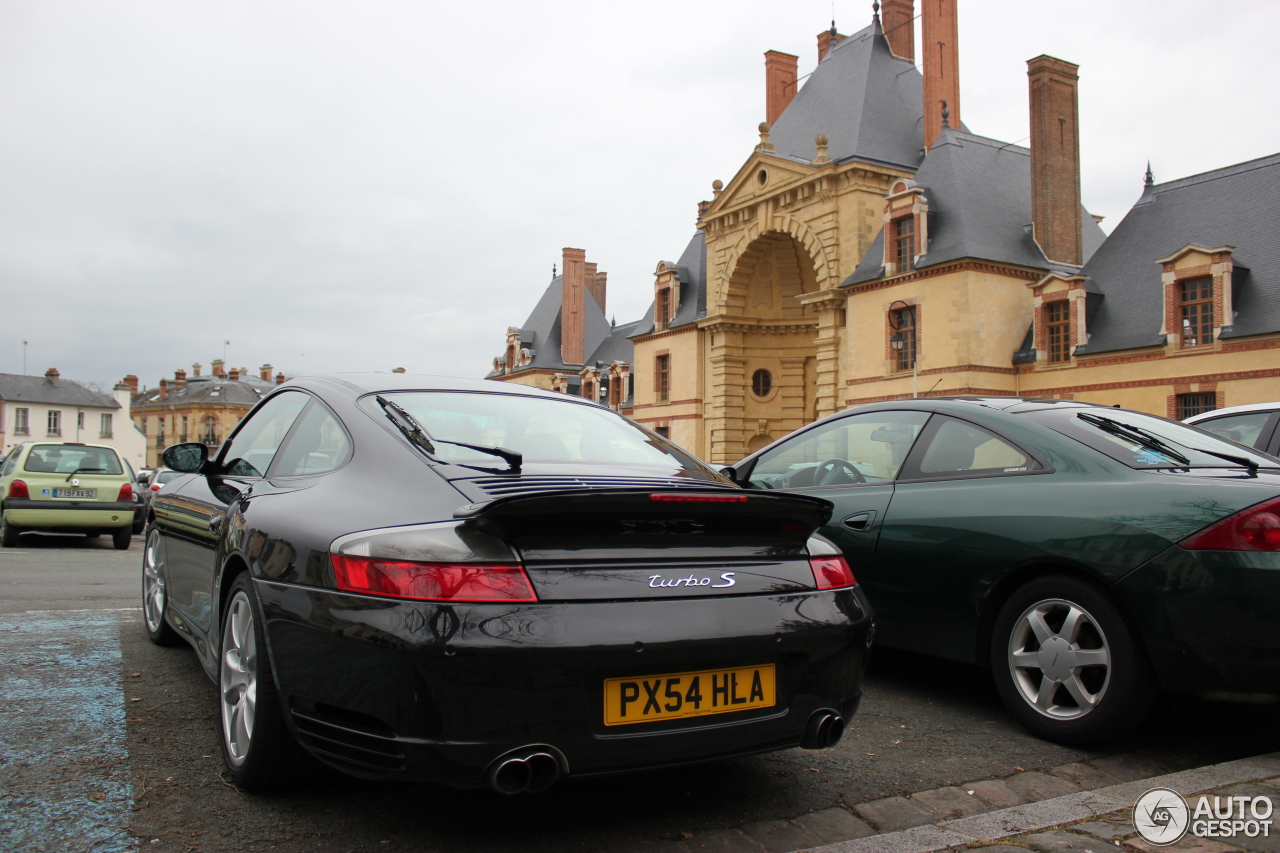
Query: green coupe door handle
860, 521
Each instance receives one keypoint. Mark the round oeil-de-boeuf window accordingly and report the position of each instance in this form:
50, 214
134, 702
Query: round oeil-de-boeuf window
761, 383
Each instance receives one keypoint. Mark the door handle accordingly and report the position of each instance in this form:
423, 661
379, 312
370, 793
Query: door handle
860, 521
215, 524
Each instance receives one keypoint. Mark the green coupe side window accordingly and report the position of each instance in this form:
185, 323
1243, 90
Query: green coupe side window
856, 449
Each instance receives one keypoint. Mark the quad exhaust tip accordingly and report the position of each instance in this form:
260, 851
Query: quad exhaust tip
527, 770
823, 731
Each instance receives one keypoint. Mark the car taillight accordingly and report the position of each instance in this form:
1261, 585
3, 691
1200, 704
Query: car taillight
156, 487
433, 581
831, 572
701, 499
126, 493
1256, 528
18, 489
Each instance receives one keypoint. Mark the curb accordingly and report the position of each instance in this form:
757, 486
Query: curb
1084, 806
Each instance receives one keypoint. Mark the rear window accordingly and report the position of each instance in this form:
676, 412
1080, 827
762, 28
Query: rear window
69, 459
540, 429
1146, 441
165, 476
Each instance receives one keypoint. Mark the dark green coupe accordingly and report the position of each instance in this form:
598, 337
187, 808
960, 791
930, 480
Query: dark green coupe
1091, 556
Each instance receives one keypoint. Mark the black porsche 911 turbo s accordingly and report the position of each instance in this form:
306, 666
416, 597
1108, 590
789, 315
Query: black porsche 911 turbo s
475, 583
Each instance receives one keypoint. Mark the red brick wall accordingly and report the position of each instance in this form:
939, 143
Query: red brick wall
1055, 158
573, 342
898, 27
779, 83
939, 49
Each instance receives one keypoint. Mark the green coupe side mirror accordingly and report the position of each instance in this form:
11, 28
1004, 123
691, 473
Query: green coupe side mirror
187, 458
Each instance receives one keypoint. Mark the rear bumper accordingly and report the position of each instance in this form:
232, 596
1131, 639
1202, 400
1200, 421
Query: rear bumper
1209, 619
414, 690
24, 512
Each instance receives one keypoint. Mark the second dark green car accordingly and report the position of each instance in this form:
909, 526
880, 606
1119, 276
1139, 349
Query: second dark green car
1091, 556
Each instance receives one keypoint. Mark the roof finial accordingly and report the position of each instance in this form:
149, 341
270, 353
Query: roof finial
765, 144
1149, 180
946, 115
831, 43
553, 270
875, 11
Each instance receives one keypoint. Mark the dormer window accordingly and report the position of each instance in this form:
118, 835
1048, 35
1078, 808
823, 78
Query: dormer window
664, 306
904, 242
906, 224
1058, 326
1196, 311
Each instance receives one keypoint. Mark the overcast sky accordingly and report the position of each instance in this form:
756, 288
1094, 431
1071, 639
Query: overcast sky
362, 186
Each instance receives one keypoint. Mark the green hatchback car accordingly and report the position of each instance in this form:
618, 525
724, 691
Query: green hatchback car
1090, 556
66, 487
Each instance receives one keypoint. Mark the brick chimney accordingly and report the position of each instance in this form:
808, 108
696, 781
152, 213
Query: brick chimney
1055, 158
264, 373
596, 284
132, 381
52, 374
279, 378
195, 369
573, 341
899, 27
234, 375
824, 41
164, 388
217, 369
179, 378
779, 83
940, 45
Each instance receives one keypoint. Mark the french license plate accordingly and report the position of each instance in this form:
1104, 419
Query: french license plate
688, 694
88, 494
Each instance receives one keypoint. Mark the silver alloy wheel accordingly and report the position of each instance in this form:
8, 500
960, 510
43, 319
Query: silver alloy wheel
153, 586
1059, 659
238, 680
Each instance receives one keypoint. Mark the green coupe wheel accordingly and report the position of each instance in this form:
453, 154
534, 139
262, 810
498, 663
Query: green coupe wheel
1067, 663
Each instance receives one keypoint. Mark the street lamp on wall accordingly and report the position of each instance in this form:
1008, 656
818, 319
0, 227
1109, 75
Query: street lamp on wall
898, 311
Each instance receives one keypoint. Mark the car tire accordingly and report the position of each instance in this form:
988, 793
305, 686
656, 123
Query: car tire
1068, 663
155, 593
8, 533
259, 751
121, 537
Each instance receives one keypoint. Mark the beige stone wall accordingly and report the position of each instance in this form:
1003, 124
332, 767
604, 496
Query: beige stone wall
681, 412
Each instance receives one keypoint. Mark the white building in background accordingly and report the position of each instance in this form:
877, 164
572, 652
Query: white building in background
50, 408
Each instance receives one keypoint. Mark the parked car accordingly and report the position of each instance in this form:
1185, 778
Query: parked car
1253, 425
1088, 555
66, 487
477, 583
155, 479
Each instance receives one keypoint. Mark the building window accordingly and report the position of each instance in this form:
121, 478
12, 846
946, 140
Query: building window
21, 424
664, 306
589, 390
1057, 316
79, 420
761, 383
210, 436
904, 242
903, 340
511, 357
55, 422
1195, 404
104, 426
1197, 312
664, 431
182, 436
615, 391
662, 377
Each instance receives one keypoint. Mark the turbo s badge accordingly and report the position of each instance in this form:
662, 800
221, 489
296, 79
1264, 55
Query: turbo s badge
725, 580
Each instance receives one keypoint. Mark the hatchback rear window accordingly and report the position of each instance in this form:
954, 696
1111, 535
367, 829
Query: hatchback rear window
69, 459
1146, 441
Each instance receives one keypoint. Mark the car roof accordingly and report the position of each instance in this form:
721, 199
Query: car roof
1013, 405
70, 444
369, 383
1232, 410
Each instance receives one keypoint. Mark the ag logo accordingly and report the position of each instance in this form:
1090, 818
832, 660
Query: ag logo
1161, 816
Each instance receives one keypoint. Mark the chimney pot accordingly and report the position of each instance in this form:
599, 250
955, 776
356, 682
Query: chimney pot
132, 381
939, 35
195, 369
279, 378
52, 374
573, 341
780, 71
899, 27
264, 373
179, 378
1055, 158
164, 388
234, 375
216, 368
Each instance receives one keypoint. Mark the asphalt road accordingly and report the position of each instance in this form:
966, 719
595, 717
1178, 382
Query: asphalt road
110, 743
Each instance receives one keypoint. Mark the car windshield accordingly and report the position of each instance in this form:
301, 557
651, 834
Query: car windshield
541, 430
70, 459
1146, 441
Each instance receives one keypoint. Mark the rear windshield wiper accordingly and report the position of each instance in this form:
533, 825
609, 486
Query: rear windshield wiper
84, 471
420, 438
1168, 451
1134, 434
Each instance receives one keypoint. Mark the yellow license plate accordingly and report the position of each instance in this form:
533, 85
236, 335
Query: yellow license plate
688, 694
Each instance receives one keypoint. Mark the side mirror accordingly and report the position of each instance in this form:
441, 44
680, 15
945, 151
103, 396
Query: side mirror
188, 458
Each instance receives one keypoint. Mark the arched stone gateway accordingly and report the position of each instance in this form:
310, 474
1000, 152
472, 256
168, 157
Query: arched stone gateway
763, 346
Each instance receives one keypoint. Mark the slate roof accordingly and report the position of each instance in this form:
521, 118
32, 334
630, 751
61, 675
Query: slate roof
1235, 206
206, 390
17, 388
867, 101
691, 270
541, 331
979, 193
